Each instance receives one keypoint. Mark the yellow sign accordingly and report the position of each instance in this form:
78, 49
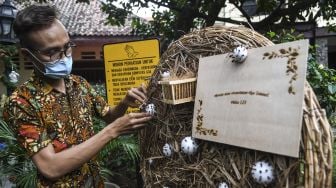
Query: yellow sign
127, 65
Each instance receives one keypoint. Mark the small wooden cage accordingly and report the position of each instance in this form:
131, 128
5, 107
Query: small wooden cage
178, 91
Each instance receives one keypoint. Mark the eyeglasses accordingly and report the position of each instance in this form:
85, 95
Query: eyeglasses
57, 54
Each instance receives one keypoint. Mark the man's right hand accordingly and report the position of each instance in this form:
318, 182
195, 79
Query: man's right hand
128, 123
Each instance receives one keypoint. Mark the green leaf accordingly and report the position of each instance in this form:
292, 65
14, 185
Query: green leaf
271, 34
332, 88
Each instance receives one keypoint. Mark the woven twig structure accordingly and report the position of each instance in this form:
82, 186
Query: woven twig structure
215, 163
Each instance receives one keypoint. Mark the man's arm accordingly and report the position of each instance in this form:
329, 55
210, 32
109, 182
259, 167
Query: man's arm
54, 165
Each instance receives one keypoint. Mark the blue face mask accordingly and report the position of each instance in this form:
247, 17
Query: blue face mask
59, 68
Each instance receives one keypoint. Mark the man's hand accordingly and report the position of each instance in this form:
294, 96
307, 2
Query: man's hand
128, 123
135, 97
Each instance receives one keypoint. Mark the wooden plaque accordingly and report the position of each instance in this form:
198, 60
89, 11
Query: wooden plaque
256, 104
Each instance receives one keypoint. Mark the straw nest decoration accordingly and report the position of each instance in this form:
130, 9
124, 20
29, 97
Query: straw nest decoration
215, 163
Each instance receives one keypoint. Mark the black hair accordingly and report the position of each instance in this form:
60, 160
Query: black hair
33, 18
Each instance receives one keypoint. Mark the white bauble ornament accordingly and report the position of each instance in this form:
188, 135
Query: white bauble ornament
150, 109
239, 54
151, 162
165, 74
189, 145
167, 150
262, 172
13, 77
223, 185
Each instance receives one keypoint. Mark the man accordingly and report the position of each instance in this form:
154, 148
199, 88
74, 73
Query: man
52, 112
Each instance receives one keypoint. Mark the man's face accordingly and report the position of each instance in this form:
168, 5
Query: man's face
48, 44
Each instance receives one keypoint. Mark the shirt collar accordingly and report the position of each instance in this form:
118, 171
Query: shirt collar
46, 88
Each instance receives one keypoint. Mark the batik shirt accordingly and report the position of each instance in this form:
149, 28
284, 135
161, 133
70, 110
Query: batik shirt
40, 115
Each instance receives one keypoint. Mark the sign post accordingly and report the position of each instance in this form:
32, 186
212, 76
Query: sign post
127, 65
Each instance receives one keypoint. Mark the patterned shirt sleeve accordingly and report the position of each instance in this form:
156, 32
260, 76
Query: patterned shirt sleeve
22, 118
100, 105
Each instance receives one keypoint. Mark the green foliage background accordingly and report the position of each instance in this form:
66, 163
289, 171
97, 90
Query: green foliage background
120, 156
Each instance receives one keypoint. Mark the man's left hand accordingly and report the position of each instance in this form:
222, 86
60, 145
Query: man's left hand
135, 97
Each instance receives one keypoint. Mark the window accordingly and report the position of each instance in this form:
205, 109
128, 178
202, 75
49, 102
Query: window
88, 55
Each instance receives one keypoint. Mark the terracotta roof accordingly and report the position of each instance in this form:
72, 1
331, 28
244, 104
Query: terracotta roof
82, 19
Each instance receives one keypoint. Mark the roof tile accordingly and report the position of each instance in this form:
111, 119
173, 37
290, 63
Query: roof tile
82, 19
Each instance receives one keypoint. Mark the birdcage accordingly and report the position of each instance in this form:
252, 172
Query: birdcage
178, 91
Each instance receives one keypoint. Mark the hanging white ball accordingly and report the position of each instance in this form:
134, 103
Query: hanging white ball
262, 172
223, 185
150, 162
167, 150
13, 77
239, 54
165, 74
189, 145
150, 109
